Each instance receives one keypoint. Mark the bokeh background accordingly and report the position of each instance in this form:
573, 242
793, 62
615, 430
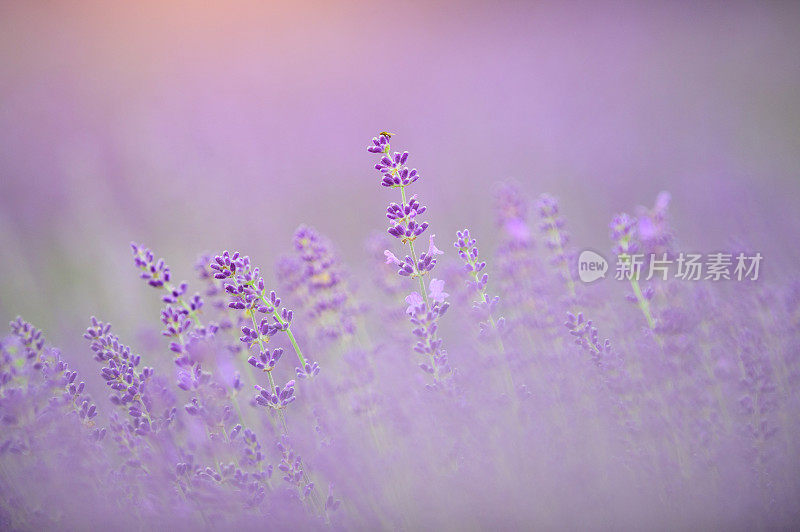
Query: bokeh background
193, 128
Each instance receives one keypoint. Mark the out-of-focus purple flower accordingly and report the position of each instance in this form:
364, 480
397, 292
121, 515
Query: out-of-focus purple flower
291, 466
587, 336
316, 279
511, 212
552, 226
56, 374
467, 248
425, 317
623, 234
653, 227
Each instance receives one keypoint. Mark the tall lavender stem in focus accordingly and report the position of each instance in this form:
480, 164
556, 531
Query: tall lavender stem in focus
425, 309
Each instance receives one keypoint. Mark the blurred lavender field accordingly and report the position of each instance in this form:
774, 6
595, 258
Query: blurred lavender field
193, 130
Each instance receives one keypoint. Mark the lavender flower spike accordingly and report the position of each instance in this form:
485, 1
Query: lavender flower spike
404, 224
247, 292
122, 374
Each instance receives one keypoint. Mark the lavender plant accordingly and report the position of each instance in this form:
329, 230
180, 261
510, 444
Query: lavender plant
680, 410
424, 307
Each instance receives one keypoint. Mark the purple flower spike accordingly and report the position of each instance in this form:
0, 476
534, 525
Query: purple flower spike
404, 224
155, 272
266, 359
277, 399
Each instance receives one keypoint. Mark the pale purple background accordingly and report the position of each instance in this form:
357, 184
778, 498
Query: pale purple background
193, 129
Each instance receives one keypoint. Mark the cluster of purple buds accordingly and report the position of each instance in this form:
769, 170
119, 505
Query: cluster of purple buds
253, 457
174, 293
403, 218
121, 372
380, 144
404, 224
556, 239
425, 262
311, 369
84, 407
31, 337
176, 324
266, 329
410, 210
266, 359
424, 309
247, 290
213, 291
155, 272
212, 417
278, 399
392, 167
177, 316
468, 251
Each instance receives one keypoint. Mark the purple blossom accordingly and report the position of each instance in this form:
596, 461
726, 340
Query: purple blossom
278, 397
316, 279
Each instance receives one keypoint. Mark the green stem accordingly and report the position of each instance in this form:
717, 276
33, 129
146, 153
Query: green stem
644, 305
297, 350
423, 291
